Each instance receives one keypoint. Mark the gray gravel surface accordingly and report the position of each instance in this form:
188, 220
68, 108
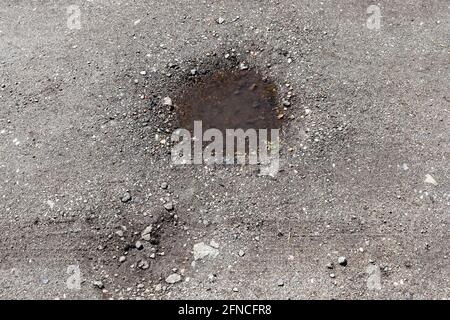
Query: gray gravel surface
85, 165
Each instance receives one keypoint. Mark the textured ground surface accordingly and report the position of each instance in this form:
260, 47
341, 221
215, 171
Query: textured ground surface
81, 125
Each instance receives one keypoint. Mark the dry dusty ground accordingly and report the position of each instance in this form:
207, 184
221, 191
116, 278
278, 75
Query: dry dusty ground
365, 151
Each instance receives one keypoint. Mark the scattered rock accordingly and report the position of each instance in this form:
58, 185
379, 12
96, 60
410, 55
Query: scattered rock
280, 283
214, 244
143, 264
202, 250
168, 206
429, 179
330, 265
119, 233
342, 261
373, 282
146, 234
286, 103
126, 197
241, 253
98, 284
212, 277
167, 102
332, 275
173, 278
220, 20
243, 66
164, 185
139, 245
122, 259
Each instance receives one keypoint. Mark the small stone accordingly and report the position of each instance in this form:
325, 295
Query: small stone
429, 179
330, 265
193, 72
332, 275
235, 290
168, 206
286, 103
98, 284
143, 264
212, 277
146, 237
241, 253
243, 66
173, 278
214, 244
122, 259
342, 261
146, 234
164, 185
220, 20
119, 233
143, 73
126, 197
167, 102
202, 250
139, 245
280, 283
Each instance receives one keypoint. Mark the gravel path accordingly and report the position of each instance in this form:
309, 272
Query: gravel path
91, 206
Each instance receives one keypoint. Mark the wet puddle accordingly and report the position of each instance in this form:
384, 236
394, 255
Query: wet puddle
229, 99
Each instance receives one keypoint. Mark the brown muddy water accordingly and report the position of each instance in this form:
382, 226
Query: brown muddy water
229, 99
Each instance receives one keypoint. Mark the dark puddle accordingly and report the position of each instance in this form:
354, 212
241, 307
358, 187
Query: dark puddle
229, 99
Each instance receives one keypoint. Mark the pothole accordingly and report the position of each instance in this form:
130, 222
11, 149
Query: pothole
229, 99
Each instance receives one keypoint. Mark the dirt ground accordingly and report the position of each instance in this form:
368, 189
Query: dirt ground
85, 162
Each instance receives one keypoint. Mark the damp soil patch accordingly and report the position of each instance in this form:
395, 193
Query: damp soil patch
229, 99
